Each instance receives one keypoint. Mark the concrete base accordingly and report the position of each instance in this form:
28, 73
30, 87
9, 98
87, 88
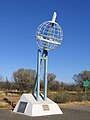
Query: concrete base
27, 105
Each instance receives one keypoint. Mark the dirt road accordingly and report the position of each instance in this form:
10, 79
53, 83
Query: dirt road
75, 113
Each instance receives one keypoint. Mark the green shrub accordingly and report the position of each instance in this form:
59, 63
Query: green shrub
79, 97
66, 96
59, 97
88, 95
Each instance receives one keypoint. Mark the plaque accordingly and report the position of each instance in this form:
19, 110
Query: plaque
22, 107
45, 107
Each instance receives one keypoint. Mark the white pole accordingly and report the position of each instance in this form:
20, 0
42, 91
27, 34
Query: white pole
54, 17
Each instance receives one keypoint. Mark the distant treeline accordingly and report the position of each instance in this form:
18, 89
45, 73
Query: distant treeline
23, 80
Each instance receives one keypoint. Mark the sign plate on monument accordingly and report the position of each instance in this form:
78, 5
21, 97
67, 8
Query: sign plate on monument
45, 107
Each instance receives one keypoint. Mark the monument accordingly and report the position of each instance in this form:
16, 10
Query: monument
49, 35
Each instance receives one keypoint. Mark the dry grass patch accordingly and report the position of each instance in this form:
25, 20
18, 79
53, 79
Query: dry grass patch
75, 104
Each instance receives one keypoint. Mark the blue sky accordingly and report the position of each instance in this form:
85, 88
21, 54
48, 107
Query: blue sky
19, 20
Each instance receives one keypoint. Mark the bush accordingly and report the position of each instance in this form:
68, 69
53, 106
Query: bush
88, 96
65, 96
79, 97
1, 105
59, 97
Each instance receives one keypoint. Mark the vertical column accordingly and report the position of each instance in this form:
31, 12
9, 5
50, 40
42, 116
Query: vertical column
45, 74
38, 75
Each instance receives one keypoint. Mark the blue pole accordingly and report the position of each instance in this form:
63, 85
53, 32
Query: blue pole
45, 74
38, 75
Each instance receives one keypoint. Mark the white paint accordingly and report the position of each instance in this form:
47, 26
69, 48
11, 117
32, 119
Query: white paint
35, 108
49, 41
54, 17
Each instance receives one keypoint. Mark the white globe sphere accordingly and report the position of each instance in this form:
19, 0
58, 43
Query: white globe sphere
49, 35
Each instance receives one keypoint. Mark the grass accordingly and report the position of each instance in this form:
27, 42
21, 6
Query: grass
61, 97
65, 96
2, 106
10, 96
74, 104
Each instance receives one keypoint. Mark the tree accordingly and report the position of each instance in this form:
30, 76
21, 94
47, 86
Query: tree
68, 86
24, 79
1, 78
1, 81
41, 85
51, 77
7, 85
53, 84
81, 77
